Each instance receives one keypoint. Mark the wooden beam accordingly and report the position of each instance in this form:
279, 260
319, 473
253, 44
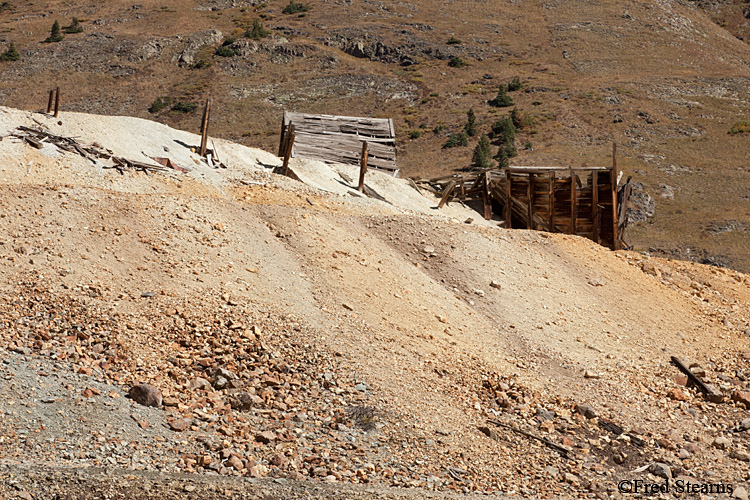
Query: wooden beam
573, 201
281, 136
288, 152
362, 167
530, 197
448, 190
711, 393
57, 101
552, 179
51, 101
204, 127
486, 195
595, 205
614, 175
508, 202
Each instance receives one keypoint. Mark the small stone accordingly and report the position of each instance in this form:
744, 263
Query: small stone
692, 448
585, 410
178, 424
721, 443
684, 454
347, 307
478, 292
199, 384
146, 295
739, 455
745, 424
660, 469
590, 374
235, 463
552, 472
146, 394
740, 493
428, 250
742, 397
360, 387
681, 380
495, 284
265, 437
571, 478
677, 395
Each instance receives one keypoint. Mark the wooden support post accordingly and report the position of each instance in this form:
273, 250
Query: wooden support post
288, 151
57, 101
552, 179
486, 197
281, 140
508, 201
530, 198
614, 174
446, 193
51, 101
362, 167
204, 127
573, 201
595, 205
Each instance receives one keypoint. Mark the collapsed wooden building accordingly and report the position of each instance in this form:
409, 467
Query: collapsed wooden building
584, 201
339, 139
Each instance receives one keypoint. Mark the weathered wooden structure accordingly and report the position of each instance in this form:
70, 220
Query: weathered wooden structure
339, 139
584, 201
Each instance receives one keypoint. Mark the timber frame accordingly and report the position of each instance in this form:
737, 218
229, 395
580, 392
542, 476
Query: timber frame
584, 201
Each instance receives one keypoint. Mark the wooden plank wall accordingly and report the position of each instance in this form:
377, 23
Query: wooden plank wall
339, 139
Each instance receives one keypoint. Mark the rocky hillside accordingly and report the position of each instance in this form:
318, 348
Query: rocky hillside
285, 340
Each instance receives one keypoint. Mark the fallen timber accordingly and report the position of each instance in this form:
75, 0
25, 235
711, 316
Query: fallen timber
585, 201
37, 138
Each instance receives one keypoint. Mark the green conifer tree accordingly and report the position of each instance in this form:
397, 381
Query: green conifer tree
55, 34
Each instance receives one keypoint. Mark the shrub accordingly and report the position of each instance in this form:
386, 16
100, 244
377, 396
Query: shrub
225, 49
471, 123
4, 6
75, 27
200, 64
481, 157
159, 104
515, 117
502, 158
11, 54
55, 35
257, 31
457, 62
184, 107
453, 41
740, 128
455, 140
502, 99
438, 129
515, 84
415, 134
295, 8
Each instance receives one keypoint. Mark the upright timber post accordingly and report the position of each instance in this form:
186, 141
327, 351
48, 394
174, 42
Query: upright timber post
508, 201
530, 207
552, 178
595, 204
288, 151
204, 127
573, 201
614, 175
51, 101
362, 168
486, 197
57, 101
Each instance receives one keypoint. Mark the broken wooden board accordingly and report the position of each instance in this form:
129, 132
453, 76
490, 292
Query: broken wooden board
710, 392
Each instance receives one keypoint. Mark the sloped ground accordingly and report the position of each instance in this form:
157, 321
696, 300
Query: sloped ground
309, 337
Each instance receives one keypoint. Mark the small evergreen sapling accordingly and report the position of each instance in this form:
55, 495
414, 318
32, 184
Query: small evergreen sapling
11, 54
502, 100
471, 123
55, 34
482, 153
